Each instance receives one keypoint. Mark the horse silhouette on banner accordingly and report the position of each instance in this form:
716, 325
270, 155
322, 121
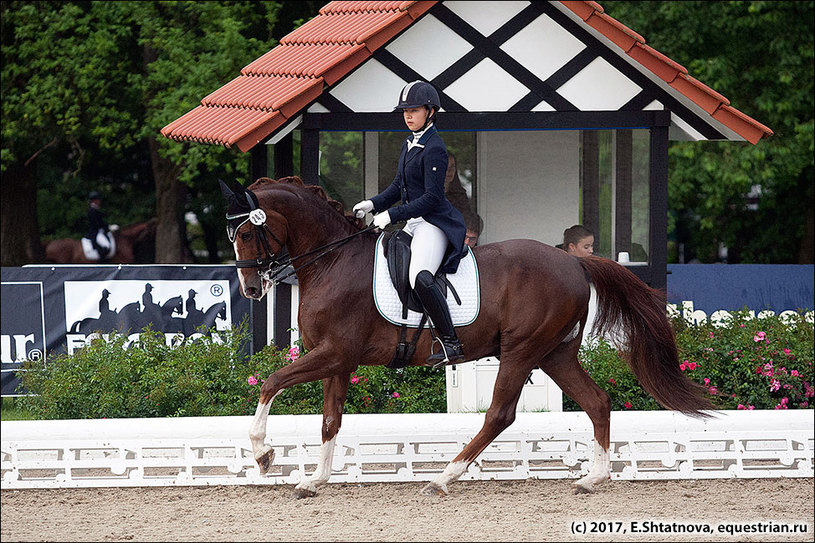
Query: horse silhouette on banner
135, 316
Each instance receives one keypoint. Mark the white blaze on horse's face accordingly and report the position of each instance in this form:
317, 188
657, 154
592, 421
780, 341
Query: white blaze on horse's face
253, 285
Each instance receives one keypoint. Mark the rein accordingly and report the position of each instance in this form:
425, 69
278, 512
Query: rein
333, 245
270, 260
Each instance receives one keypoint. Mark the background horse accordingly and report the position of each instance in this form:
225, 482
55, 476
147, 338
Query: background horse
128, 239
534, 307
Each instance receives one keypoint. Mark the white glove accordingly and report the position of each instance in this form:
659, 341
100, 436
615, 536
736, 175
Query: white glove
365, 206
381, 220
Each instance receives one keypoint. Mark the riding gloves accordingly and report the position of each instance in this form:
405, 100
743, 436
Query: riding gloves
365, 206
381, 220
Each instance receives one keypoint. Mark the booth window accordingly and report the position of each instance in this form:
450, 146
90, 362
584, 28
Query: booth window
341, 172
614, 191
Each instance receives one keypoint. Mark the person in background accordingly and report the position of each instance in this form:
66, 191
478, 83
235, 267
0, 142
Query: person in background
98, 226
457, 194
474, 227
578, 241
437, 227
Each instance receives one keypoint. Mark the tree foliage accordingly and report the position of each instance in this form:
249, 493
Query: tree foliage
755, 199
86, 88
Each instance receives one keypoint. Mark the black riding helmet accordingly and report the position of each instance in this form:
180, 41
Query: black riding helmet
417, 94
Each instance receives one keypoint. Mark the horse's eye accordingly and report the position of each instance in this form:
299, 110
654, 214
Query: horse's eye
246, 236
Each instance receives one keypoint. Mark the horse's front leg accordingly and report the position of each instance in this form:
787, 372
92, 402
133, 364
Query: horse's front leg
335, 390
316, 364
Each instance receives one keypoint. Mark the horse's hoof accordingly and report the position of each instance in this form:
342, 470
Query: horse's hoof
580, 489
432, 489
264, 459
301, 493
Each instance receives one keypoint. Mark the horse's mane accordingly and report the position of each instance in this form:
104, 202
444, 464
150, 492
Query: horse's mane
314, 189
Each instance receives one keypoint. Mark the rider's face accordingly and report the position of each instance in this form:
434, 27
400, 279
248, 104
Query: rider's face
415, 117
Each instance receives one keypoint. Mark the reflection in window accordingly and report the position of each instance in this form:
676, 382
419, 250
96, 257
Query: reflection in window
614, 191
341, 166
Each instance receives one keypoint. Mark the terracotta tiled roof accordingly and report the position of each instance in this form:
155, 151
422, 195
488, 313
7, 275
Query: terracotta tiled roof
669, 71
277, 86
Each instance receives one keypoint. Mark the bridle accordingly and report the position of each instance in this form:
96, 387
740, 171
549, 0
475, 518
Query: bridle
269, 264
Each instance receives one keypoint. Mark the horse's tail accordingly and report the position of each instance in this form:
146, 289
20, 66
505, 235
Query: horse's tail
625, 303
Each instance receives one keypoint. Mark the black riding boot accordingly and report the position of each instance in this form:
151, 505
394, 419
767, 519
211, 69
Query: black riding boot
436, 306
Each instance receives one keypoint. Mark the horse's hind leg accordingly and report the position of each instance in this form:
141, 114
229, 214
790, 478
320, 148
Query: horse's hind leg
563, 367
335, 390
501, 413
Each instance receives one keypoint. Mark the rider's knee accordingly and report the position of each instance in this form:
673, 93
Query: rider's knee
424, 279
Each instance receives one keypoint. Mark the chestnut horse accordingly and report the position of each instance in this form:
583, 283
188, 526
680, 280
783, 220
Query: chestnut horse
69, 250
534, 306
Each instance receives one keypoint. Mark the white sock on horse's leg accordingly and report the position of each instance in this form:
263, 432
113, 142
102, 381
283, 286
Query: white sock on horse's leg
599, 470
451, 472
323, 471
257, 432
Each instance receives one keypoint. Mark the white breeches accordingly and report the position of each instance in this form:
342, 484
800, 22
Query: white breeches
427, 248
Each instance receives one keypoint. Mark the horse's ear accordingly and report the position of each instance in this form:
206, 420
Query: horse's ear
225, 190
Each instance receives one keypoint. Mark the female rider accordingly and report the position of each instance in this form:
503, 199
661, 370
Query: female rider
437, 227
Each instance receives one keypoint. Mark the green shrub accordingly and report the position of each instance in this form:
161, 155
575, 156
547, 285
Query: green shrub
111, 379
743, 362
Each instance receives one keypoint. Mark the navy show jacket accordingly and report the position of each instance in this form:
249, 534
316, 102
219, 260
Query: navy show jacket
419, 183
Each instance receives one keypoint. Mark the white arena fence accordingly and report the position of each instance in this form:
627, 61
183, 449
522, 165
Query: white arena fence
646, 445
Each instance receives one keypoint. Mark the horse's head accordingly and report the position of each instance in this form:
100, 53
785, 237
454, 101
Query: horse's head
174, 305
258, 234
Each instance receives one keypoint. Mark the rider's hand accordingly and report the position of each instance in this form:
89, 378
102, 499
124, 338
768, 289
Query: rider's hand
381, 220
365, 206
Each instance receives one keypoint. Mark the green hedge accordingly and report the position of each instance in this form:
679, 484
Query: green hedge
203, 378
746, 363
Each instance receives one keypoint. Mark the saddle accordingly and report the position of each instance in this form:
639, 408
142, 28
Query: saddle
92, 254
397, 253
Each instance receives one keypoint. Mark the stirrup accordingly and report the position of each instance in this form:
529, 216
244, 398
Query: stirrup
450, 353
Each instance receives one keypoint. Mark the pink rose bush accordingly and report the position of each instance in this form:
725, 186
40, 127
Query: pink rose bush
743, 363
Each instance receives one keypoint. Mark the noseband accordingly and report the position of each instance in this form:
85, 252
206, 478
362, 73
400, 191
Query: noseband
269, 264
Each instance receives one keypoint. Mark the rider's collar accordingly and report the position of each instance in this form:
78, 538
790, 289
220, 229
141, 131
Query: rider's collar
420, 137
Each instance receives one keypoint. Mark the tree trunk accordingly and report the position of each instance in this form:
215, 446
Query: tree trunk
19, 227
170, 231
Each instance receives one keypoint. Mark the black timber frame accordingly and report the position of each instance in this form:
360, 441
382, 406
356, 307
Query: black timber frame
657, 122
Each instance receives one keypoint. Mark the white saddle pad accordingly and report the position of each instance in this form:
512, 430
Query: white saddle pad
92, 254
465, 281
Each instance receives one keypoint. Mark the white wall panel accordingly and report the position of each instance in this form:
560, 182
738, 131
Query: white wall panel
429, 47
528, 184
543, 47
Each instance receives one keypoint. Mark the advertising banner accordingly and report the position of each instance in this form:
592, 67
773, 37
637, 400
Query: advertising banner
49, 310
700, 290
